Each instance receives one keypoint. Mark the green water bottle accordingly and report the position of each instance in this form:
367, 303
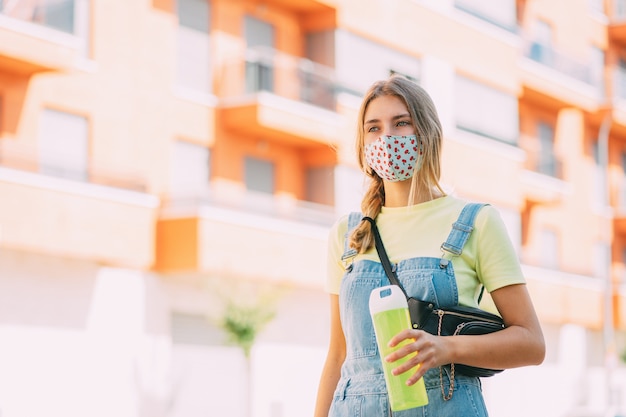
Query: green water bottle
390, 315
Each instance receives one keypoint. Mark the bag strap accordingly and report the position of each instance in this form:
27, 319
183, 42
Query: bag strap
382, 254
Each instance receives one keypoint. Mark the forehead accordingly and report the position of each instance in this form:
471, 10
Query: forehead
384, 107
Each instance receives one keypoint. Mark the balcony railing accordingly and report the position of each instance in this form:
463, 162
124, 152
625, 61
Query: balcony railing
299, 79
619, 10
499, 13
56, 14
540, 160
26, 159
563, 63
251, 202
65, 17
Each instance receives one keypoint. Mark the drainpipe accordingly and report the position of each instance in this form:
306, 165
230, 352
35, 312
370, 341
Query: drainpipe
610, 354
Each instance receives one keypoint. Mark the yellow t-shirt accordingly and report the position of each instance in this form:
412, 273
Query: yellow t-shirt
418, 231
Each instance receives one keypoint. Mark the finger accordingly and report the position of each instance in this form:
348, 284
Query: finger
401, 352
416, 376
400, 337
412, 365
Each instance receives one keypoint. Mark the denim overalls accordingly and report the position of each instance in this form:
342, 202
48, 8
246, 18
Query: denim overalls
361, 390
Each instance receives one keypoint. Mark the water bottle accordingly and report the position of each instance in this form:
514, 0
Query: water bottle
390, 315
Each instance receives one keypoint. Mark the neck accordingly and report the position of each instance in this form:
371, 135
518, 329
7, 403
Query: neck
397, 194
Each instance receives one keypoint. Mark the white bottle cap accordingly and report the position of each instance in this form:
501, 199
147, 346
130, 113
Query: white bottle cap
389, 297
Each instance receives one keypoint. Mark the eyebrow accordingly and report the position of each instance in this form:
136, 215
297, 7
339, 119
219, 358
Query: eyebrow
399, 116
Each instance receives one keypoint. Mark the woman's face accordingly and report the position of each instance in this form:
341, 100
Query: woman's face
386, 115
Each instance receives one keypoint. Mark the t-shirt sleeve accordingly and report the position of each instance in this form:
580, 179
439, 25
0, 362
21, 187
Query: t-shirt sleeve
335, 266
497, 263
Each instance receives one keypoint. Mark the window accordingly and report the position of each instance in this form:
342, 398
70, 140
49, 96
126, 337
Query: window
549, 249
596, 68
541, 46
193, 45
352, 51
543, 32
63, 145
547, 163
620, 79
260, 68
190, 167
320, 47
501, 13
194, 14
597, 6
259, 175
58, 14
69, 16
620, 8
320, 183
486, 111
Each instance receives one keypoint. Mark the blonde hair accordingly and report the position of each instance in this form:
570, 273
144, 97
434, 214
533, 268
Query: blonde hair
427, 127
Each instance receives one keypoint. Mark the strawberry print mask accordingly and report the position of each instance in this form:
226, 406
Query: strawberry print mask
395, 158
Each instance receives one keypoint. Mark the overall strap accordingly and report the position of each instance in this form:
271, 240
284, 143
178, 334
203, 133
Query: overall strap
460, 232
461, 229
354, 219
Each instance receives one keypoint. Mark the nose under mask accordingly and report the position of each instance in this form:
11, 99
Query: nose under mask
395, 158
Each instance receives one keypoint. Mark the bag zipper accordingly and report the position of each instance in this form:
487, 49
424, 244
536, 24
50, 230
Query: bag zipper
441, 313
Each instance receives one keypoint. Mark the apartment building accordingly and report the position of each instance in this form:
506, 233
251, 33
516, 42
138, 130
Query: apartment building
162, 161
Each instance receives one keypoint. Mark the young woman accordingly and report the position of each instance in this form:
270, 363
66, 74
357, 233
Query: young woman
398, 147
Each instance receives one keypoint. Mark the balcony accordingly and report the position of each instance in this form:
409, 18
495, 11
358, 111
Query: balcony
542, 179
227, 233
54, 210
560, 76
43, 35
501, 14
27, 158
269, 94
540, 160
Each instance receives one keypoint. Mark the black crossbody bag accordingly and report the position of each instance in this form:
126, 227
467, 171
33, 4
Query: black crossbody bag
443, 321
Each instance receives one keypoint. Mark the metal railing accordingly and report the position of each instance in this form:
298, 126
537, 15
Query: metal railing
265, 69
27, 159
563, 63
539, 160
56, 14
252, 202
470, 7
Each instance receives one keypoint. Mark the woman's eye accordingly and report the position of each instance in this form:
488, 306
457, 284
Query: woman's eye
403, 123
373, 129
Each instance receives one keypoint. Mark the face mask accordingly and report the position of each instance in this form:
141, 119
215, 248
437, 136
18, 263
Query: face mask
395, 158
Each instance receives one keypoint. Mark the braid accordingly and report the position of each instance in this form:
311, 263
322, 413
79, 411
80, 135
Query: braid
362, 238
